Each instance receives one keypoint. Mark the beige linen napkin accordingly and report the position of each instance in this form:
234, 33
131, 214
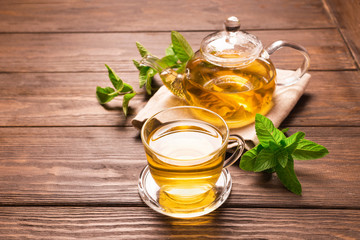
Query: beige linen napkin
285, 98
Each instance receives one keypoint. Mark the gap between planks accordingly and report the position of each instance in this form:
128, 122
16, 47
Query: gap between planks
329, 11
134, 71
140, 205
129, 126
165, 31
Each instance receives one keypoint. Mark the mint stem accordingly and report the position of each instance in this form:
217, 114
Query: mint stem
120, 93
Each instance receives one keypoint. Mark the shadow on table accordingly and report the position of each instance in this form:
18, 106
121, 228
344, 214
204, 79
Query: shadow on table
299, 108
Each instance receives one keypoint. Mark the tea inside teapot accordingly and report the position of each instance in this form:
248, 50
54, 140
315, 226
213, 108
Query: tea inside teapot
235, 93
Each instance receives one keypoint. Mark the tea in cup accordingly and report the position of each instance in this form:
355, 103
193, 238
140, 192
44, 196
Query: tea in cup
185, 149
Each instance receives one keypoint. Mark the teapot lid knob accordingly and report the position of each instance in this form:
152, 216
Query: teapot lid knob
231, 47
232, 24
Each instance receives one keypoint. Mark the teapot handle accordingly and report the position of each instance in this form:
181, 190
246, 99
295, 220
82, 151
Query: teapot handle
289, 80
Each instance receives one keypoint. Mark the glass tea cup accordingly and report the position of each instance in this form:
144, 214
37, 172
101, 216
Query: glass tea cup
185, 149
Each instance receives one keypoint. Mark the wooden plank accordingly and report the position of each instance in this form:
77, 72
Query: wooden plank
346, 15
89, 52
331, 99
113, 15
68, 99
101, 165
143, 223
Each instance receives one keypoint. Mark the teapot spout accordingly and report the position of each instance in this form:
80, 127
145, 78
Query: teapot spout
153, 62
170, 78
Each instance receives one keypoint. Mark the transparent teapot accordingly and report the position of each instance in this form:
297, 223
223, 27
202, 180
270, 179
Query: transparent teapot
231, 74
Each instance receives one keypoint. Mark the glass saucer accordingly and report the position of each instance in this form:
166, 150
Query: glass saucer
150, 193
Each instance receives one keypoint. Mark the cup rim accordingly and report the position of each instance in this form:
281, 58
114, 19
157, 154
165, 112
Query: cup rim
225, 141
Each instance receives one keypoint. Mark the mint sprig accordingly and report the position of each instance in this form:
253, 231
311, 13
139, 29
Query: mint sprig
276, 152
105, 95
176, 57
146, 73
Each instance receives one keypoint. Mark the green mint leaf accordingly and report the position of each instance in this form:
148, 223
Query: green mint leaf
148, 86
247, 161
282, 157
137, 65
181, 47
126, 99
266, 131
170, 51
292, 141
284, 130
168, 61
288, 177
145, 78
105, 95
126, 88
143, 74
265, 160
307, 150
149, 75
142, 50
296, 137
182, 68
152, 72
115, 80
280, 153
274, 146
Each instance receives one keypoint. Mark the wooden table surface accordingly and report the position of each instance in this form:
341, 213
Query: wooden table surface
69, 167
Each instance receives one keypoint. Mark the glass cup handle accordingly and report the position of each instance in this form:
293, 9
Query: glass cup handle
239, 143
289, 80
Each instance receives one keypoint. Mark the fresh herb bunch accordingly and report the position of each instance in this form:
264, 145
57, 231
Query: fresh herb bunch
176, 57
276, 153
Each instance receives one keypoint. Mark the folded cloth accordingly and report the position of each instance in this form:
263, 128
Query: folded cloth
284, 98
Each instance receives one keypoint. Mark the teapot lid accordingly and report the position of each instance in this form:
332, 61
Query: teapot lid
231, 47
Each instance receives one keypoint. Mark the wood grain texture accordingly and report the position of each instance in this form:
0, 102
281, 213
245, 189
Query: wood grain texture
69, 167
330, 99
89, 52
144, 223
346, 15
101, 165
68, 99
142, 15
